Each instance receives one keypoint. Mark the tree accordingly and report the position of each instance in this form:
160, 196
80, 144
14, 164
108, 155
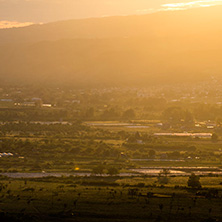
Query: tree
113, 171
90, 113
214, 137
163, 176
194, 181
173, 115
129, 114
98, 169
152, 153
110, 114
188, 118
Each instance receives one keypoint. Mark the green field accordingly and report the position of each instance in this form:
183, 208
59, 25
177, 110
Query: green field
104, 185
108, 199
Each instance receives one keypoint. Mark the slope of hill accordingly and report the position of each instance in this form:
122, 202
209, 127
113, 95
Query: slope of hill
160, 47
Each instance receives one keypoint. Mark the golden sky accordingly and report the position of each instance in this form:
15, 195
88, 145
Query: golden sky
15, 13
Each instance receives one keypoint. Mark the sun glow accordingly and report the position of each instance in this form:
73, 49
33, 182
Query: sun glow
187, 5
13, 24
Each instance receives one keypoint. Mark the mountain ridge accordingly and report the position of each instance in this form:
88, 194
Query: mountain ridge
114, 26
170, 47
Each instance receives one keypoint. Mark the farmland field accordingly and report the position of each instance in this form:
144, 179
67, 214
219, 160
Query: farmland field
108, 199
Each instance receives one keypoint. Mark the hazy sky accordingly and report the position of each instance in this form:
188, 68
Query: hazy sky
42, 11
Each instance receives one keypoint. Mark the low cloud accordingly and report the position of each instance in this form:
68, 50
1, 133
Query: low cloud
193, 4
171, 9
13, 24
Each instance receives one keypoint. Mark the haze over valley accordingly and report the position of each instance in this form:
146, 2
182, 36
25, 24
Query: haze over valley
111, 118
163, 47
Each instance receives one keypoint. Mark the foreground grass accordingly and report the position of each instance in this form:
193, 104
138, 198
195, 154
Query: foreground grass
106, 199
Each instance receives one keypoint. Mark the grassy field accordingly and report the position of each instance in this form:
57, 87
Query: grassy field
108, 199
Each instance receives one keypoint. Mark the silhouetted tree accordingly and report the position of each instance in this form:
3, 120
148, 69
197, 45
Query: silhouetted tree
98, 169
214, 137
113, 171
194, 181
163, 176
129, 114
152, 153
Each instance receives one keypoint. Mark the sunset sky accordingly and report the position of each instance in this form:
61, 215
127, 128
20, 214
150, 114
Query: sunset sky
25, 12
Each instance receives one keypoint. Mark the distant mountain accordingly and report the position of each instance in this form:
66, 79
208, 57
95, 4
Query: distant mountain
163, 47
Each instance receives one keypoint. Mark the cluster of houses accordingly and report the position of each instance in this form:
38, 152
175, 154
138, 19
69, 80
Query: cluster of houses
194, 135
206, 124
35, 102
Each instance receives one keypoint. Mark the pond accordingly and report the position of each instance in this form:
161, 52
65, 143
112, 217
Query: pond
149, 171
179, 171
41, 175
